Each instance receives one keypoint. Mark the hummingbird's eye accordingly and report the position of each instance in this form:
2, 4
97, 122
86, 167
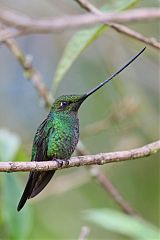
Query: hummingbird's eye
64, 104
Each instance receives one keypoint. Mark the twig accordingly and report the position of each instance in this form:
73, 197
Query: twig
108, 186
9, 33
88, 6
100, 159
136, 35
120, 28
84, 233
29, 71
28, 25
113, 191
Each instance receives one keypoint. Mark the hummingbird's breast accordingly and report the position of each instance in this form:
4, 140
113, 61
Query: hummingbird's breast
65, 136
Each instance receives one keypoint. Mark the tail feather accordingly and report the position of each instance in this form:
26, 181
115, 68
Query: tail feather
26, 193
35, 184
42, 179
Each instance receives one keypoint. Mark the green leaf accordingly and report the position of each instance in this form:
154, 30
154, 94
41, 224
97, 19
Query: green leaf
18, 224
123, 224
9, 144
82, 39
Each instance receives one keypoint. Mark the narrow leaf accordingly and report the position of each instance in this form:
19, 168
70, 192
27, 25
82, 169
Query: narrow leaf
123, 224
82, 39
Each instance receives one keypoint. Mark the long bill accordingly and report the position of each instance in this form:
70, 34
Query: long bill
114, 74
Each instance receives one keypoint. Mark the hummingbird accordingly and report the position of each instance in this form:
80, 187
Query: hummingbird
57, 136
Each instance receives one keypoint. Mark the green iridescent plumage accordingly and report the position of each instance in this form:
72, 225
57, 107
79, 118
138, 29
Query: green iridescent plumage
57, 137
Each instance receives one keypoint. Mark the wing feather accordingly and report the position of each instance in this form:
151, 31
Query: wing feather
38, 180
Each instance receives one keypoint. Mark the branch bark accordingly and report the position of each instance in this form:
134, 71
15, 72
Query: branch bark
24, 24
100, 159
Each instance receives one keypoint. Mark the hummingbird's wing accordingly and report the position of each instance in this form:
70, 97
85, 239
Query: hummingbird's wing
38, 180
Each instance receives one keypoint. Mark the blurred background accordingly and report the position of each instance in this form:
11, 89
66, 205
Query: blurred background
122, 115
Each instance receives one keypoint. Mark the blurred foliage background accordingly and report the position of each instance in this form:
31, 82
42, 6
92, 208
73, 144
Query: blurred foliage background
127, 107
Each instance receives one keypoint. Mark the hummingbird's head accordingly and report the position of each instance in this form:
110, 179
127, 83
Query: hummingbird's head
68, 103
71, 103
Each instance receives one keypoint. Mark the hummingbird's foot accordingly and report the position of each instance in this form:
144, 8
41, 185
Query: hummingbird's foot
61, 162
66, 162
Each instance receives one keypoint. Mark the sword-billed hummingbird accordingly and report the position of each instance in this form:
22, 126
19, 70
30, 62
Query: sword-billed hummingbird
57, 136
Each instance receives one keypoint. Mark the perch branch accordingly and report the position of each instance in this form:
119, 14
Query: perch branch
23, 24
100, 159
